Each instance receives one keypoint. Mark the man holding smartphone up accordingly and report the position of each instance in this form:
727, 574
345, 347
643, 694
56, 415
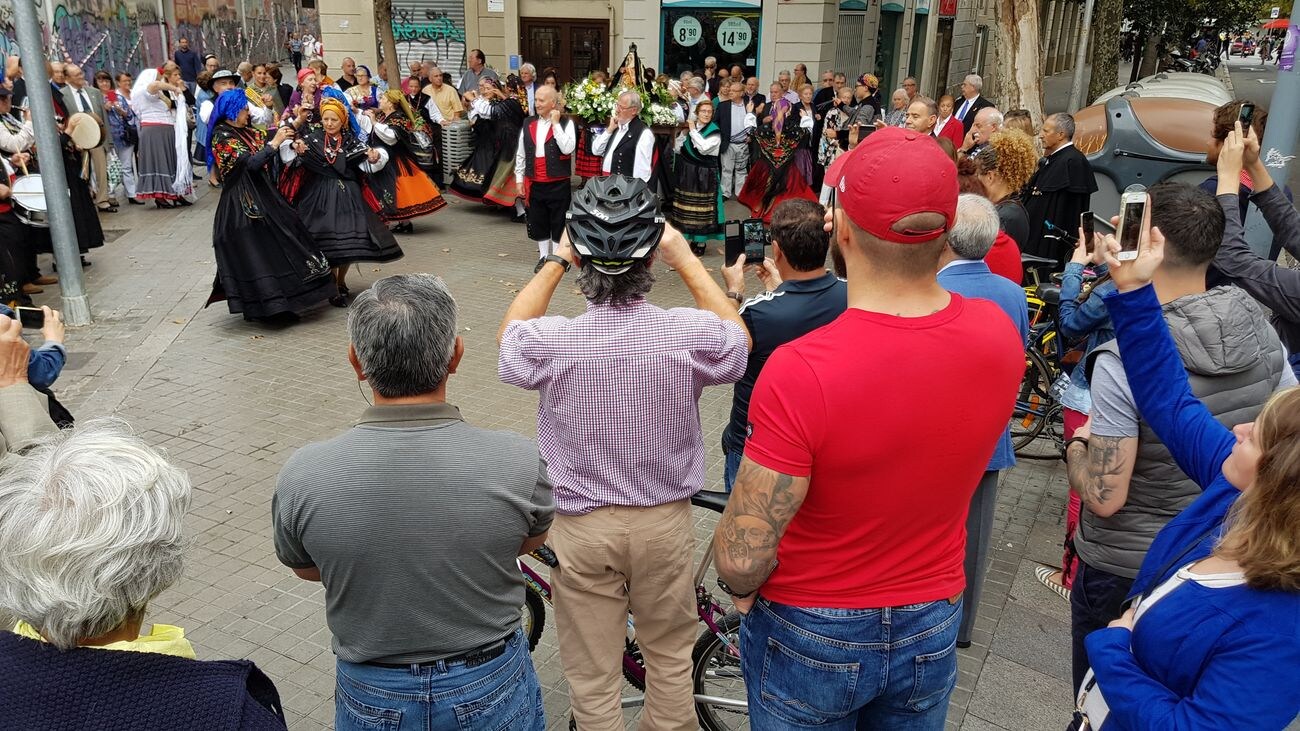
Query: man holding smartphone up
1128, 482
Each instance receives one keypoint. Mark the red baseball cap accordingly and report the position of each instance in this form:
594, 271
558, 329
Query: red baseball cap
893, 174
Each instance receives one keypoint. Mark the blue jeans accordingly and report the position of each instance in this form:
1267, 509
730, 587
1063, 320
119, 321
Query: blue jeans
501, 693
891, 668
731, 468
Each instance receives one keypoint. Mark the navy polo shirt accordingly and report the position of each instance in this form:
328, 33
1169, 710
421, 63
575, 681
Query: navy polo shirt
790, 311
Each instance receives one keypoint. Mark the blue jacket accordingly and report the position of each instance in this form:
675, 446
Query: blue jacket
1199, 658
1088, 321
44, 363
974, 279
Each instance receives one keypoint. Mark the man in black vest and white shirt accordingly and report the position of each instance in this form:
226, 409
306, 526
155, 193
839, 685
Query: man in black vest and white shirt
627, 144
543, 165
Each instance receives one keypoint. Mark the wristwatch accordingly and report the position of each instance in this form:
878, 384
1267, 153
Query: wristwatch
737, 296
727, 588
552, 257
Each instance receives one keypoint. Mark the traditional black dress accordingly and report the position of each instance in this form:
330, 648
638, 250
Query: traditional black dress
266, 263
697, 190
1059, 191
496, 137
405, 186
90, 235
325, 186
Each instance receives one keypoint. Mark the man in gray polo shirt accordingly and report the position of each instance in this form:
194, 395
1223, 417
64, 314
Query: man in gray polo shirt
413, 520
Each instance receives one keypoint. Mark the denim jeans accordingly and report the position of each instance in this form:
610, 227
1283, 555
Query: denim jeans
1096, 599
501, 693
891, 668
731, 468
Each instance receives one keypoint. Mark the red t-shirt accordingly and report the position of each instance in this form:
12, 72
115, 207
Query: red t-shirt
895, 420
1004, 258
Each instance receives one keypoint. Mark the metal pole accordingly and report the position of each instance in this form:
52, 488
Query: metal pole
1278, 149
1080, 56
76, 308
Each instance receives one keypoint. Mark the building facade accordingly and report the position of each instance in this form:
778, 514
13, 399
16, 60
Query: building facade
937, 41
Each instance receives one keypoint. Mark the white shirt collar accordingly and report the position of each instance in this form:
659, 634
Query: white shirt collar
959, 262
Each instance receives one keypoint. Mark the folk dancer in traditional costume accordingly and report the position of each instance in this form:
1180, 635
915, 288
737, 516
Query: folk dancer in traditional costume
510, 113
627, 145
777, 175
697, 180
324, 182
163, 157
543, 166
496, 119
404, 187
267, 265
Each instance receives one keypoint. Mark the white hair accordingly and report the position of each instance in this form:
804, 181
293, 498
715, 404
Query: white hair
975, 81
696, 83
91, 524
975, 228
529, 68
632, 98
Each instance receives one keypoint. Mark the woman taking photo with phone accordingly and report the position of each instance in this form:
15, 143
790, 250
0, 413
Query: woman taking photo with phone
1212, 640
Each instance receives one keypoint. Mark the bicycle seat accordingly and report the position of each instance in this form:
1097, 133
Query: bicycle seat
715, 501
1036, 261
1050, 293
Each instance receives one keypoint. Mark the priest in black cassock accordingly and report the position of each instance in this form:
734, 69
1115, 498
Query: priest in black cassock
1059, 191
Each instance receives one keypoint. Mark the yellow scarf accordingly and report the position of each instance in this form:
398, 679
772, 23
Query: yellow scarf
163, 639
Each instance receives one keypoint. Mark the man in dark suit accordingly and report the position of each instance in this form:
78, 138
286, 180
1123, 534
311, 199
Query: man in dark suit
1060, 190
735, 120
79, 96
971, 101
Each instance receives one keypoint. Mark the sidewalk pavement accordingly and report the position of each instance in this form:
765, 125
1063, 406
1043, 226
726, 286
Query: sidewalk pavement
230, 401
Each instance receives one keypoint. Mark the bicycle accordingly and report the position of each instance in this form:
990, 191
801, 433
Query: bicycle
720, 701
1037, 411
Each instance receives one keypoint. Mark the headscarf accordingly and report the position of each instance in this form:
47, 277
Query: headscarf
398, 100
332, 93
367, 70
304, 73
227, 106
141, 85
780, 110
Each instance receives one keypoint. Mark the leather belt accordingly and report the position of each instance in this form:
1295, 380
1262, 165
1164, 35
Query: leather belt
471, 658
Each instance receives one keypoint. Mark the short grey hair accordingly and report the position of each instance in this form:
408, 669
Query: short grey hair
1064, 124
975, 81
529, 68
710, 61
695, 83
975, 228
632, 98
403, 330
91, 529
994, 117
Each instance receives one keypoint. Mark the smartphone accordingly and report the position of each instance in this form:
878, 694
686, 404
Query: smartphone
1132, 215
1246, 115
756, 240
32, 318
1086, 222
734, 241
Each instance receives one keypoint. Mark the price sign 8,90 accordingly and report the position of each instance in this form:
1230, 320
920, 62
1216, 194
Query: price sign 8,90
687, 31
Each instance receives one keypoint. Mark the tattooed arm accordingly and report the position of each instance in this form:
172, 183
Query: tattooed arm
1100, 472
761, 506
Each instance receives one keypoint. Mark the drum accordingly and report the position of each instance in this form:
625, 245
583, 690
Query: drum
86, 133
29, 201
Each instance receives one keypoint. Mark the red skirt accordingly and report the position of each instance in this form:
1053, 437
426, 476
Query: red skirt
586, 165
754, 194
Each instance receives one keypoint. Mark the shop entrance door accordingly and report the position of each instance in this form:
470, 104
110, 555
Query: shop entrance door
573, 47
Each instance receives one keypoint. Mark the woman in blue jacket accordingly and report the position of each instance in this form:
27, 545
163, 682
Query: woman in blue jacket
1213, 640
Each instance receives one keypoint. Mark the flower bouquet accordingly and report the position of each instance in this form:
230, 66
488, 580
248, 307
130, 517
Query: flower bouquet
590, 101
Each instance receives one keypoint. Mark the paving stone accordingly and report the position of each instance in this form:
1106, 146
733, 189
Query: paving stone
1014, 696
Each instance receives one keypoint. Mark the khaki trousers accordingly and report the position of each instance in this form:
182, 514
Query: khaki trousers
611, 560
99, 168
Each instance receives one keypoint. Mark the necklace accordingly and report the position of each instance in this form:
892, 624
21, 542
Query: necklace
333, 146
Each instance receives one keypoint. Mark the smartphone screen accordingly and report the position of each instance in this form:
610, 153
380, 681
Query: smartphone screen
733, 241
1086, 222
755, 241
1247, 115
1131, 225
32, 318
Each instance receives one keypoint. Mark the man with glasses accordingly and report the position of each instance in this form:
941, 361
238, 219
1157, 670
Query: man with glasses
909, 86
712, 80
627, 145
826, 92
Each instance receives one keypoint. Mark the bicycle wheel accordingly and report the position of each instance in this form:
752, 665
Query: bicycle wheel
533, 616
715, 670
1033, 401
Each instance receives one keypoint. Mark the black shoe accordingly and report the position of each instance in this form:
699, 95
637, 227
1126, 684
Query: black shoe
699, 249
339, 300
183, 203
519, 218
135, 202
963, 645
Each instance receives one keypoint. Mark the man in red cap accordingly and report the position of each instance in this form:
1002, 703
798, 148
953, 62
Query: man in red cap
844, 538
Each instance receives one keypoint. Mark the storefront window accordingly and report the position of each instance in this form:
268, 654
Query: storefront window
694, 30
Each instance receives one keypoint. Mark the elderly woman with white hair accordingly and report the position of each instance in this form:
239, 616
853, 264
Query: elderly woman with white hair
91, 530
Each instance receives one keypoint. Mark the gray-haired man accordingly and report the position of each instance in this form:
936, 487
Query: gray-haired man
413, 520
627, 145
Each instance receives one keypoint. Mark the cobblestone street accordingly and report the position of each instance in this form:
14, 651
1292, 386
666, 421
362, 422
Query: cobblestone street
230, 401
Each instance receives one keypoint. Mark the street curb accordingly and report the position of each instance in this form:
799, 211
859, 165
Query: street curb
1226, 78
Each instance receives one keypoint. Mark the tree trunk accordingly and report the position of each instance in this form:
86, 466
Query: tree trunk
1019, 79
1106, 20
1150, 56
387, 43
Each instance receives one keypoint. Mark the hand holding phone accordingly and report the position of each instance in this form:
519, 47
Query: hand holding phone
32, 318
1246, 115
1134, 221
1087, 229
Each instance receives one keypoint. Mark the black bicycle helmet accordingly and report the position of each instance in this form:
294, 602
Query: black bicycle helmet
614, 222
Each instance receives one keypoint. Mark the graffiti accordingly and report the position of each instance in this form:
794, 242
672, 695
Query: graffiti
127, 35
430, 30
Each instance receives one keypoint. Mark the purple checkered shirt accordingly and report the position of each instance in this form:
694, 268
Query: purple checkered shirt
618, 419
